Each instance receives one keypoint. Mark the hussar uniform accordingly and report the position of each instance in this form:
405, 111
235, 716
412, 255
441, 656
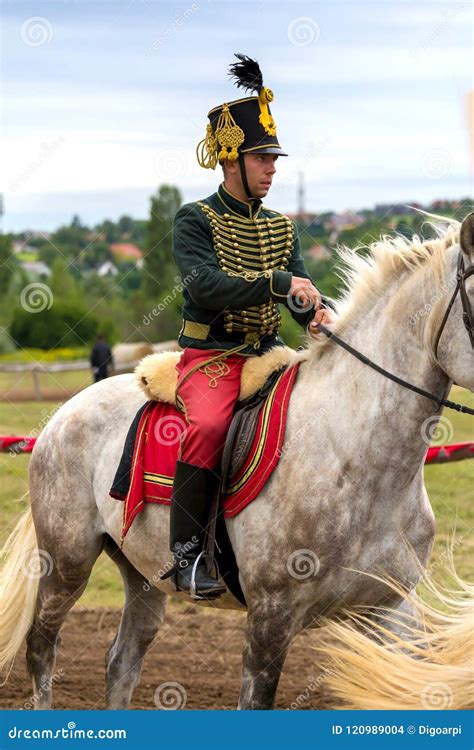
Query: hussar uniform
236, 260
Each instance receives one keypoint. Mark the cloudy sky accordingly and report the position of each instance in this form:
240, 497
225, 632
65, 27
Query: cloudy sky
104, 101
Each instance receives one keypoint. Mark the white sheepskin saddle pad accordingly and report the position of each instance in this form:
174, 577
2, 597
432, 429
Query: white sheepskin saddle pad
157, 377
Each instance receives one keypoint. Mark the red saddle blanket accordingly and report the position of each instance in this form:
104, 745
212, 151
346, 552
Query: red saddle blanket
156, 445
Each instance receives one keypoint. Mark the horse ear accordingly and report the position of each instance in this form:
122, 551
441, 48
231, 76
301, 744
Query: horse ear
466, 236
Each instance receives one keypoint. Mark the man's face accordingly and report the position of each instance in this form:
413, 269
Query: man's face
260, 169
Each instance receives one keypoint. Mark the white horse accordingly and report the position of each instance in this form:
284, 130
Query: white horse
346, 497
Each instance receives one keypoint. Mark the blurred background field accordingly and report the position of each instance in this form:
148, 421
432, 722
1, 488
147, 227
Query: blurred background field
59, 385
450, 487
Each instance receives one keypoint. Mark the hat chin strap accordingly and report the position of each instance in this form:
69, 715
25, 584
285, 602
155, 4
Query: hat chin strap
245, 181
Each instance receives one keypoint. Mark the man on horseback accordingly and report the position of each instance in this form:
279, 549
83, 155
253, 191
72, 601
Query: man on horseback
237, 260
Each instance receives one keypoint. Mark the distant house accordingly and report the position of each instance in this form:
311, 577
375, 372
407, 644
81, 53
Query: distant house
319, 252
39, 235
442, 205
22, 247
107, 269
347, 220
305, 218
36, 268
125, 251
382, 210
95, 236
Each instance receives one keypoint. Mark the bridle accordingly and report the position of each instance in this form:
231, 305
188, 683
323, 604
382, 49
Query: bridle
468, 318
467, 314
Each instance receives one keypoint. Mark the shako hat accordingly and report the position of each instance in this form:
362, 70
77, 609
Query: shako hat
241, 126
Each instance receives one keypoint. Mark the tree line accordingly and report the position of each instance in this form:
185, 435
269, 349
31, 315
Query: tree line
78, 303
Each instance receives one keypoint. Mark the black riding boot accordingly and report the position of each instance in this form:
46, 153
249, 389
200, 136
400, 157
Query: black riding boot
189, 515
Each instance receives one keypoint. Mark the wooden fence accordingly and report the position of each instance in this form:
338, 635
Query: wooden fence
40, 368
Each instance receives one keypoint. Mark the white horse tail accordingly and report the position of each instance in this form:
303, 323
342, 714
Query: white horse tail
19, 581
428, 667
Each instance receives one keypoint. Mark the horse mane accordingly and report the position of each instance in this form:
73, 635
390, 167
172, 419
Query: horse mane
365, 276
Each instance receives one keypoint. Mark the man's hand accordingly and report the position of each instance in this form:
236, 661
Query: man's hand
305, 291
324, 316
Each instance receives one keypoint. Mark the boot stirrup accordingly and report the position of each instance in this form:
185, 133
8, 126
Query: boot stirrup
179, 565
192, 590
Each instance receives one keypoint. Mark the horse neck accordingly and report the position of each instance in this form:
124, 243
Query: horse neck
388, 335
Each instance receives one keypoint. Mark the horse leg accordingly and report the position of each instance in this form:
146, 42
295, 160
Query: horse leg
66, 571
142, 616
270, 630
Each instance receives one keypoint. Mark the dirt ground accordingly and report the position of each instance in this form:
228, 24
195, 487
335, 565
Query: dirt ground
197, 649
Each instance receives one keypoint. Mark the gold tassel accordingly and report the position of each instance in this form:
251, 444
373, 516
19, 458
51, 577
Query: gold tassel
228, 135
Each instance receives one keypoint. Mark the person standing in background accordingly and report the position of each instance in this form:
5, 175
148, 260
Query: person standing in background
100, 359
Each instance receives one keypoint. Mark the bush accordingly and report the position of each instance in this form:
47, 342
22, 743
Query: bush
61, 325
6, 344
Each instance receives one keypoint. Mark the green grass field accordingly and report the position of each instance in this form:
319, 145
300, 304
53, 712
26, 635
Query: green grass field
450, 487
18, 386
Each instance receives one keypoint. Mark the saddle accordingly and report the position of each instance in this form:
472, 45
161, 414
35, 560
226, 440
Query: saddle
242, 428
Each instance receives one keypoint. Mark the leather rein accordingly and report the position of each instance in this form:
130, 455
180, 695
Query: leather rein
461, 275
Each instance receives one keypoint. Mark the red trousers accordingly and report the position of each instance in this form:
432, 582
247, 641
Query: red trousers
207, 397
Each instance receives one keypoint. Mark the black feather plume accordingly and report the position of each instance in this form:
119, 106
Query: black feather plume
247, 73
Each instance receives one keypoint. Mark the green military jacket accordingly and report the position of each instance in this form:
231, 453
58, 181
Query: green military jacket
236, 262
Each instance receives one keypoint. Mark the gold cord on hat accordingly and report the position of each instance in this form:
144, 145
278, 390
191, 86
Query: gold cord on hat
228, 135
266, 120
206, 150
